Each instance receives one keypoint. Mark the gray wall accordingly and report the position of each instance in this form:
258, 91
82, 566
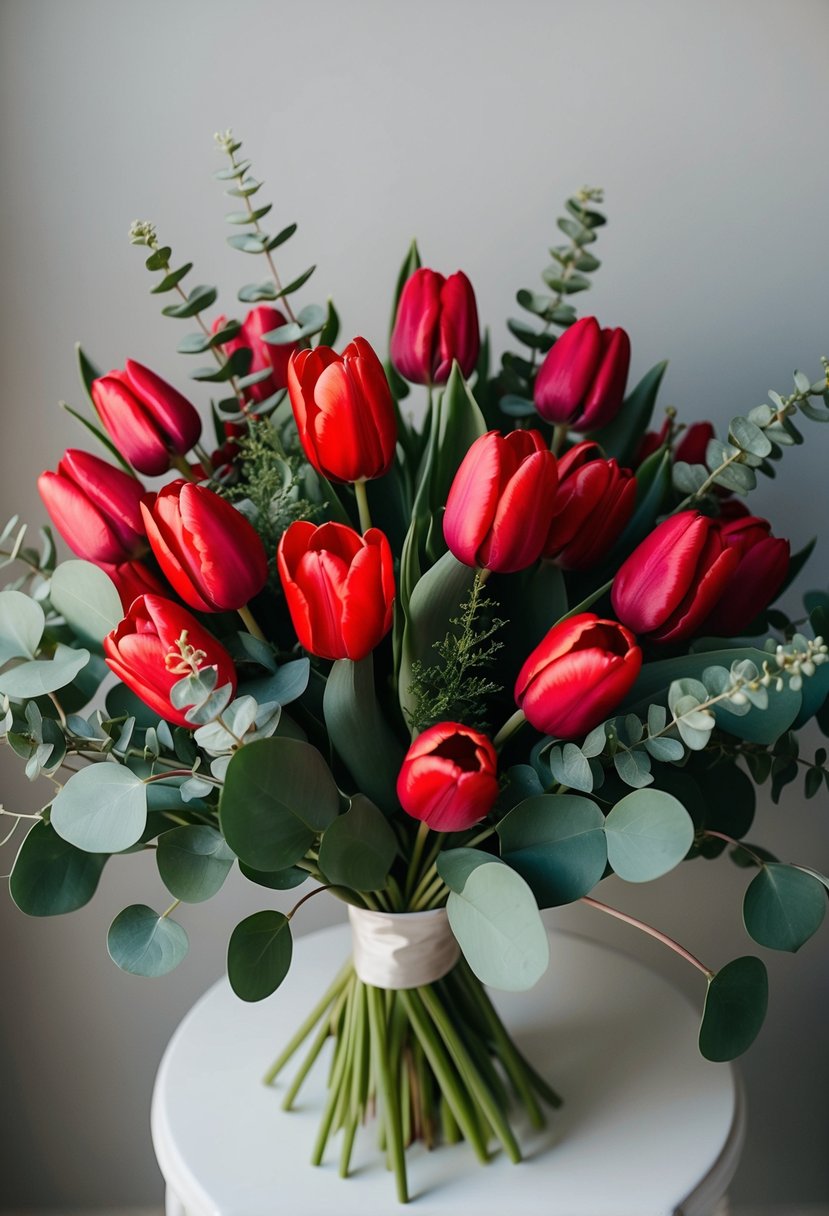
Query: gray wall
466, 123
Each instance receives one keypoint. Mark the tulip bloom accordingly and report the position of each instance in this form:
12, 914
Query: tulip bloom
133, 579
581, 383
261, 320
595, 500
436, 323
448, 778
149, 421
207, 550
763, 563
501, 502
344, 411
693, 443
577, 675
158, 643
672, 580
339, 587
95, 507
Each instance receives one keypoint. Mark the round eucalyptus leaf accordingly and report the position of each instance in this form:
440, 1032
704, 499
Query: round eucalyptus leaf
557, 843
783, 907
101, 809
38, 677
259, 955
358, 848
87, 599
735, 1009
193, 862
275, 880
648, 833
144, 943
51, 876
21, 626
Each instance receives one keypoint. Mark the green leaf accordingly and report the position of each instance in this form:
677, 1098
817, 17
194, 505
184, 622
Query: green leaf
21, 626
159, 258
648, 833
359, 730
103, 439
410, 264
193, 862
516, 407
51, 876
248, 217
252, 293
275, 880
87, 370
278, 794
143, 943
310, 320
101, 809
748, 436
281, 237
87, 599
195, 344
621, 437
358, 848
570, 767
198, 300
331, 328
653, 482
172, 279
634, 767
496, 921
735, 1008
557, 843
259, 955
783, 907
295, 284
38, 677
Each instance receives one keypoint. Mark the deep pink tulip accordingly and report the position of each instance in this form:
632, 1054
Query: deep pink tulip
763, 563
133, 579
148, 420
436, 323
261, 320
449, 777
582, 380
594, 501
693, 443
95, 506
501, 502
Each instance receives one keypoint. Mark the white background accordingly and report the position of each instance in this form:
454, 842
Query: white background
466, 124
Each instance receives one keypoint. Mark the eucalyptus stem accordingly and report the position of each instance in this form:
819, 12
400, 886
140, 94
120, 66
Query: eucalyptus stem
652, 932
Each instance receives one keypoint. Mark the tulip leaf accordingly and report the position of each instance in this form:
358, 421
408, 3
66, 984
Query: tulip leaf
193, 862
735, 1009
38, 677
783, 907
359, 731
143, 943
51, 876
357, 850
89, 373
495, 918
622, 436
557, 843
653, 481
648, 832
21, 626
410, 264
87, 599
259, 954
101, 809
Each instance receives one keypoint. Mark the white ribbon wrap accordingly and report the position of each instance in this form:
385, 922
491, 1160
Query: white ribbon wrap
402, 949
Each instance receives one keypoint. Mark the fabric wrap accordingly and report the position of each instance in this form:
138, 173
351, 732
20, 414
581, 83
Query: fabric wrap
402, 949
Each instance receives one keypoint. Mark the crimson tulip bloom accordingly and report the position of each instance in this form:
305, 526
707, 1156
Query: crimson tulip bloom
145, 652
148, 420
501, 502
207, 550
581, 383
763, 563
339, 587
672, 580
344, 411
693, 443
436, 323
133, 579
261, 320
95, 507
595, 500
448, 778
577, 675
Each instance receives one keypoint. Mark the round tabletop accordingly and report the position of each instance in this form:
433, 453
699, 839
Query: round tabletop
648, 1127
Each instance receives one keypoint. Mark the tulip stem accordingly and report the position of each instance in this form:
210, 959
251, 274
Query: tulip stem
560, 433
362, 505
183, 467
509, 728
250, 623
649, 929
417, 853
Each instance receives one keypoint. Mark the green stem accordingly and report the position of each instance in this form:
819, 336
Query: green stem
509, 728
320, 1009
560, 433
588, 602
183, 467
417, 853
391, 1109
361, 494
250, 623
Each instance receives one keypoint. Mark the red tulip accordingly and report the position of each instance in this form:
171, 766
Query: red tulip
582, 380
501, 503
344, 411
650, 442
148, 420
693, 443
577, 675
763, 563
133, 579
209, 553
149, 652
672, 580
95, 507
436, 323
339, 587
595, 500
261, 320
448, 778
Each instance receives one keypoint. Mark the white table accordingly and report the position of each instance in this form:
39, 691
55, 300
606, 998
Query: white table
648, 1127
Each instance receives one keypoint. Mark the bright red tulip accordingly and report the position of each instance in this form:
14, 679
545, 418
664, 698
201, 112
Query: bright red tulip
582, 380
133, 579
672, 580
339, 587
146, 653
595, 500
436, 323
148, 420
577, 675
344, 411
95, 506
207, 550
449, 777
261, 320
761, 571
501, 503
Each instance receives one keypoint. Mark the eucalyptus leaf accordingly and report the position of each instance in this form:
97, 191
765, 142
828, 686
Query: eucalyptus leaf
193, 861
143, 943
557, 844
101, 809
648, 832
783, 907
51, 876
87, 599
358, 848
735, 1009
21, 626
38, 677
259, 955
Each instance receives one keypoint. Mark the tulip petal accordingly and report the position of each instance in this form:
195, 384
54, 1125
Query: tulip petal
130, 427
473, 497
653, 582
522, 517
567, 371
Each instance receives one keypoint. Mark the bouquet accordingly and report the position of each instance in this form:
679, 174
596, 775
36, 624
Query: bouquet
453, 672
